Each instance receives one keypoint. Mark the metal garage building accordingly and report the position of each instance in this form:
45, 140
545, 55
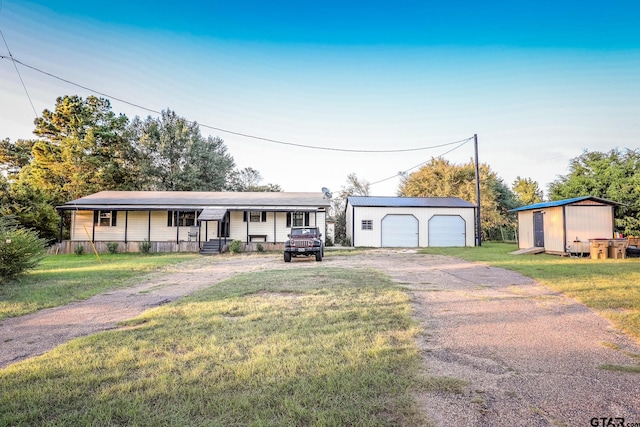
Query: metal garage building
410, 221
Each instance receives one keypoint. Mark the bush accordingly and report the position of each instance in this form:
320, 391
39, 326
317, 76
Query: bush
78, 250
112, 247
20, 249
260, 248
328, 241
346, 242
235, 247
145, 246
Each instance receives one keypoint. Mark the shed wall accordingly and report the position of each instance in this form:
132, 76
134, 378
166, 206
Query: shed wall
588, 222
554, 229
525, 230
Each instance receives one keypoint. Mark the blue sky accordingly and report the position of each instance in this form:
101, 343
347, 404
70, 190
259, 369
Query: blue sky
539, 82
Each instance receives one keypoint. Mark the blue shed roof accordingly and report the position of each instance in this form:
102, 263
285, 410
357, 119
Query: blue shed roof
410, 202
563, 203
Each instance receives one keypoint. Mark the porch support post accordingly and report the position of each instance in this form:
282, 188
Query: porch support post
93, 227
177, 227
274, 226
149, 228
126, 225
247, 217
61, 213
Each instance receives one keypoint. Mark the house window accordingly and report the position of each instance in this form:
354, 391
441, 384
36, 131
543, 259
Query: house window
297, 219
255, 216
105, 218
367, 224
180, 218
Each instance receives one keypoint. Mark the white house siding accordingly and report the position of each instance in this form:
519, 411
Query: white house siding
525, 230
82, 228
373, 238
137, 226
208, 230
79, 220
238, 228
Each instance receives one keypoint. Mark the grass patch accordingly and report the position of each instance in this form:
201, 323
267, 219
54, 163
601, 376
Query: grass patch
289, 348
609, 286
443, 384
629, 369
61, 279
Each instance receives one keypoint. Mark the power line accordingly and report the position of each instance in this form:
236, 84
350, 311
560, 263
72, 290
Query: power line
18, 71
420, 164
231, 132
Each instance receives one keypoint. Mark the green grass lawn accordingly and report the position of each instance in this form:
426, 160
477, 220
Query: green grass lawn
328, 347
286, 347
612, 287
61, 279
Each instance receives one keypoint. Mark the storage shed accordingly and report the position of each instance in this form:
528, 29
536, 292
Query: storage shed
565, 226
410, 221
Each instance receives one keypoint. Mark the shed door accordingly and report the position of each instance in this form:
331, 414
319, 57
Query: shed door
538, 229
399, 231
447, 230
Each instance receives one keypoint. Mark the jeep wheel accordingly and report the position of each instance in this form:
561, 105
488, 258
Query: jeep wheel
318, 256
287, 257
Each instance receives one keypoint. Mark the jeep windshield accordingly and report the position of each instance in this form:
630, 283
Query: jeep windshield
303, 232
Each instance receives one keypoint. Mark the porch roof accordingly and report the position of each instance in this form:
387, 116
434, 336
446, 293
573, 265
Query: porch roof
196, 200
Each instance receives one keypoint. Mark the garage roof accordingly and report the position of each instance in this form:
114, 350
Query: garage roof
410, 202
564, 202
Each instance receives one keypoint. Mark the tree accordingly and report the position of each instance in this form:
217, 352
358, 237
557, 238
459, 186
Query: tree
248, 179
82, 149
614, 175
31, 207
354, 187
526, 191
15, 156
175, 157
440, 178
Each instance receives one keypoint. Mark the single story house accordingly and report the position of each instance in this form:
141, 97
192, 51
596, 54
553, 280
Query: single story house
410, 221
187, 220
565, 226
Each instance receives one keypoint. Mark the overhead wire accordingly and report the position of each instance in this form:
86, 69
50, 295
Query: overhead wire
24, 86
423, 163
232, 132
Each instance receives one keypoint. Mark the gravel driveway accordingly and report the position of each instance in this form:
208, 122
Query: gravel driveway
530, 356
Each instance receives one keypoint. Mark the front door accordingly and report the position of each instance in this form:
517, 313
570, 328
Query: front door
538, 229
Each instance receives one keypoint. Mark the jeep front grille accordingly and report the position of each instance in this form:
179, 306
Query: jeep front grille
303, 243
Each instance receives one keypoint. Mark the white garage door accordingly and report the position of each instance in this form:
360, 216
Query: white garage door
447, 230
399, 231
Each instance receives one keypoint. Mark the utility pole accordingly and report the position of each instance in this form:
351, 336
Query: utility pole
478, 223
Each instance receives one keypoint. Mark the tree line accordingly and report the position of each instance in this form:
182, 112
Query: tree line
612, 175
83, 147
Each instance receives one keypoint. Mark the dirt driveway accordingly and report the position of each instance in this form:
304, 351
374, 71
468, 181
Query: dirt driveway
530, 356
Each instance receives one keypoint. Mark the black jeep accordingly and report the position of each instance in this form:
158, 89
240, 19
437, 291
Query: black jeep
304, 241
